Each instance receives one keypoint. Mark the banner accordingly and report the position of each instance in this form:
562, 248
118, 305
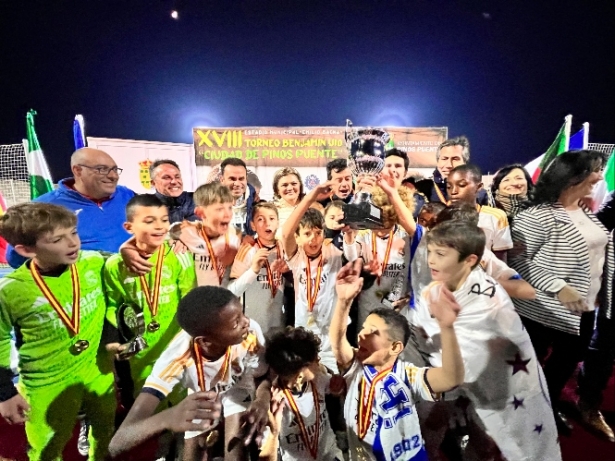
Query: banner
304, 146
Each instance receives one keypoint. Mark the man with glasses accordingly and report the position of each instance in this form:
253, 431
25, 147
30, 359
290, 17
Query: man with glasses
95, 197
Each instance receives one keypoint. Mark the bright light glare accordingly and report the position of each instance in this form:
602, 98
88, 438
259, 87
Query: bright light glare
174, 14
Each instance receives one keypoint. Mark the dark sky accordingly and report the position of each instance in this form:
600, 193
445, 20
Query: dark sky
503, 73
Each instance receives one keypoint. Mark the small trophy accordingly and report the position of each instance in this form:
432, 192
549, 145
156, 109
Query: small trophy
131, 325
366, 150
392, 298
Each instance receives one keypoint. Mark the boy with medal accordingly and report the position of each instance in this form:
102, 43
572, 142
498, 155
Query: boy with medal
314, 263
220, 350
258, 268
157, 293
304, 431
56, 304
382, 388
213, 241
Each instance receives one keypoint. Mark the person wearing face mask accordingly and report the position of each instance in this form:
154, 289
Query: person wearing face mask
566, 254
451, 153
167, 180
510, 188
94, 195
234, 175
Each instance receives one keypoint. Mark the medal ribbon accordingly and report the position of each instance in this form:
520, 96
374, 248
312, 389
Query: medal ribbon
311, 443
387, 252
272, 285
153, 298
439, 193
73, 323
198, 361
365, 411
311, 297
212, 255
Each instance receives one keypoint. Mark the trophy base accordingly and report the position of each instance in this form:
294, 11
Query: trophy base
363, 215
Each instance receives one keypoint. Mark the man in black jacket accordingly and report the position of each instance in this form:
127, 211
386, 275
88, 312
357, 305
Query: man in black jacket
451, 153
167, 180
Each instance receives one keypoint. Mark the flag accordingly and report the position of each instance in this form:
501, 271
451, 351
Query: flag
558, 146
580, 139
40, 178
79, 132
609, 173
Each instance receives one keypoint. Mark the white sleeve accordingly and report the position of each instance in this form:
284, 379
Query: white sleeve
502, 240
240, 285
351, 252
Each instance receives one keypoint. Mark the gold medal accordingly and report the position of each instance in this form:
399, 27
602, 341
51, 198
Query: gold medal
366, 402
212, 438
80, 346
312, 293
153, 296
311, 321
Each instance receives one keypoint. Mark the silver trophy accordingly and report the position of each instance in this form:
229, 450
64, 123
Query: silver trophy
396, 293
131, 325
366, 149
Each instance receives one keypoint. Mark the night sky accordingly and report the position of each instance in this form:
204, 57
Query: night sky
503, 73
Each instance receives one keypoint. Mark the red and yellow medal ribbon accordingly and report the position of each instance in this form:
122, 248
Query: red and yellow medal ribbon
214, 261
73, 323
200, 373
272, 282
153, 297
311, 297
310, 442
365, 408
387, 252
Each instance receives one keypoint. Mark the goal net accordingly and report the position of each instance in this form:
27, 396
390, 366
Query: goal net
14, 180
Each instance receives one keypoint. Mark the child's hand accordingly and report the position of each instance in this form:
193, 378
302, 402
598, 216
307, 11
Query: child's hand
135, 262
365, 182
256, 418
373, 267
332, 224
14, 410
349, 282
115, 349
279, 266
260, 258
350, 235
179, 248
278, 402
386, 183
337, 385
201, 406
443, 305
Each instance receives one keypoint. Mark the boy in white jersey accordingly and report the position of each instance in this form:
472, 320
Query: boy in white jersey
219, 350
258, 268
382, 388
503, 378
304, 431
388, 248
315, 264
213, 241
463, 184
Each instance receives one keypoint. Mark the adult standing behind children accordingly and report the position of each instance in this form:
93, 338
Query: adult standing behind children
566, 254
234, 175
95, 197
167, 180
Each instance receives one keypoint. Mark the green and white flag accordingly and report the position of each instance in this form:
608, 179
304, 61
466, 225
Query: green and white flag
40, 178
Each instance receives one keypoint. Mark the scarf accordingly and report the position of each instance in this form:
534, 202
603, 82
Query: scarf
511, 204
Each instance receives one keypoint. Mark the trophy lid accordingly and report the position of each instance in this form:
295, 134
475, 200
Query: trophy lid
366, 141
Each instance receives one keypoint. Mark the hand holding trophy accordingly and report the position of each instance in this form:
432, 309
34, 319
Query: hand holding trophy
131, 325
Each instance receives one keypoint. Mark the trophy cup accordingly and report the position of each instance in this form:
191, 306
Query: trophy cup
366, 149
392, 298
131, 325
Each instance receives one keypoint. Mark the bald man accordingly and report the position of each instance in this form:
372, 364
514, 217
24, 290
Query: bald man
95, 197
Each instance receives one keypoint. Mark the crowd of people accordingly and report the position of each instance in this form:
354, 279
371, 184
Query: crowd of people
220, 325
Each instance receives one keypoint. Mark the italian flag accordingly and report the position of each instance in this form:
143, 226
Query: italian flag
559, 146
40, 178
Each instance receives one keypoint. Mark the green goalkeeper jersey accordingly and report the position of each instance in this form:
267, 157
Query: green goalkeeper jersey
46, 354
177, 278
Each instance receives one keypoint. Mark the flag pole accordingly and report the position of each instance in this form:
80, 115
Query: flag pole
585, 135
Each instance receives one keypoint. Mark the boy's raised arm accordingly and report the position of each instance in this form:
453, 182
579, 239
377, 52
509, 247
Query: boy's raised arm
292, 223
444, 308
406, 220
347, 286
141, 423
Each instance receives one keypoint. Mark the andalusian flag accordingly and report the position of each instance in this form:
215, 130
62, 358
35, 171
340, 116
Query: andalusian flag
40, 178
559, 146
